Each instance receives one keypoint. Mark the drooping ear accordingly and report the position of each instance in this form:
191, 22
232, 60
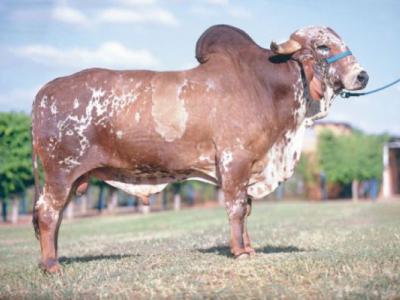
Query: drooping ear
285, 48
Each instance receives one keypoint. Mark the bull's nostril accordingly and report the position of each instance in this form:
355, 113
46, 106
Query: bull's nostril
363, 78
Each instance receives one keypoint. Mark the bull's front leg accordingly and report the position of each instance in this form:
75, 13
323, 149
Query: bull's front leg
246, 238
235, 169
236, 209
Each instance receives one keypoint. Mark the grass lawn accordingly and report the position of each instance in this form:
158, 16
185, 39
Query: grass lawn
330, 250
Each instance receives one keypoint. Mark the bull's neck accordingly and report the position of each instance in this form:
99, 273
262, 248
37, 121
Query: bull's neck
284, 85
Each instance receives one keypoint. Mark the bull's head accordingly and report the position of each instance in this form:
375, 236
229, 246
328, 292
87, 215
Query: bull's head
327, 61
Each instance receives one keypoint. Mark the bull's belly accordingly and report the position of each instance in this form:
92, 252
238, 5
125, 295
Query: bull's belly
142, 184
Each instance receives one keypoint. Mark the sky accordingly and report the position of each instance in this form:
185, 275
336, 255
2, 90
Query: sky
42, 39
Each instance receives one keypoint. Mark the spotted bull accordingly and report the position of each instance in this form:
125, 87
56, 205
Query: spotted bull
236, 120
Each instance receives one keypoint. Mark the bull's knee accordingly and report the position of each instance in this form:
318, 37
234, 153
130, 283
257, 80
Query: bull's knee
47, 215
236, 209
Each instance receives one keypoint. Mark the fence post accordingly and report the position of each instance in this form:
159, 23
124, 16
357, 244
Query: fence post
113, 200
4, 210
221, 197
84, 204
177, 202
69, 212
354, 190
15, 211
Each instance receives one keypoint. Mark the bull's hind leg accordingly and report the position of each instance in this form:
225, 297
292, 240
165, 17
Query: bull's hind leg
49, 208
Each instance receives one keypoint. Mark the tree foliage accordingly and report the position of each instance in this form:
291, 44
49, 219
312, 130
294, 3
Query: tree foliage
351, 157
15, 154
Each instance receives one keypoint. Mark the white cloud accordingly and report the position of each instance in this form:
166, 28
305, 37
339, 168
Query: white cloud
119, 15
109, 54
213, 8
18, 99
218, 2
69, 15
137, 2
203, 11
138, 11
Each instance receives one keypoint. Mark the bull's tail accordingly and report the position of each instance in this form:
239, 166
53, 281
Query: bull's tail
35, 212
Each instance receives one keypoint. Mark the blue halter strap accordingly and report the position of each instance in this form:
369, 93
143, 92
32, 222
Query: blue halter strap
337, 57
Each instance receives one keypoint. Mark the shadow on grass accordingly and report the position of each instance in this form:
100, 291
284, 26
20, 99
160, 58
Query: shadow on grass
226, 251
68, 260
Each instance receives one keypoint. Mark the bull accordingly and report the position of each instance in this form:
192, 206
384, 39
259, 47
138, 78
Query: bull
236, 120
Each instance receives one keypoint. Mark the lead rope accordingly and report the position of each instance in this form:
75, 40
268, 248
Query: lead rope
346, 95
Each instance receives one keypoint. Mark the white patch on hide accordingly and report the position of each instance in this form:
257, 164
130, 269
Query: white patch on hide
43, 102
69, 163
210, 85
226, 159
53, 108
76, 103
204, 157
137, 117
119, 134
45, 202
40, 202
169, 112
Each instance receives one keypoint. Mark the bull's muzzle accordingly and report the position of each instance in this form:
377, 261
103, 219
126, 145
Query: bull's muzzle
356, 79
362, 79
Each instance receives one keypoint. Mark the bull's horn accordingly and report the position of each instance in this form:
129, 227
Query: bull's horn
288, 47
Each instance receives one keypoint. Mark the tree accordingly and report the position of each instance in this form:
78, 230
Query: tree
15, 156
351, 158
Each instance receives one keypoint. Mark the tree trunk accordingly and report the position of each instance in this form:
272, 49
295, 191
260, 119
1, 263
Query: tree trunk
4, 205
354, 190
177, 202
164, 200
100, 204
15, 211
84, 204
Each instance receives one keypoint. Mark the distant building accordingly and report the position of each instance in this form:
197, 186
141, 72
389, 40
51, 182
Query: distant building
311, 138
391, 168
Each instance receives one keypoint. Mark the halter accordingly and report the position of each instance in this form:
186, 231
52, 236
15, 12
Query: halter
337, 57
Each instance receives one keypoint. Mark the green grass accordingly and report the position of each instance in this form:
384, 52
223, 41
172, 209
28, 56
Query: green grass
305, 250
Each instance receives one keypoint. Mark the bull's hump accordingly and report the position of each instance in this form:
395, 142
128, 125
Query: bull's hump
222, 39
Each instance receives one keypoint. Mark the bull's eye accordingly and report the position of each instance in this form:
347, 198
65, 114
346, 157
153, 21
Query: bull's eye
323, 49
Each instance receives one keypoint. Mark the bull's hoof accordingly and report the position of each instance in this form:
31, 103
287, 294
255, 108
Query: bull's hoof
243, 255
250, 251
50, 267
